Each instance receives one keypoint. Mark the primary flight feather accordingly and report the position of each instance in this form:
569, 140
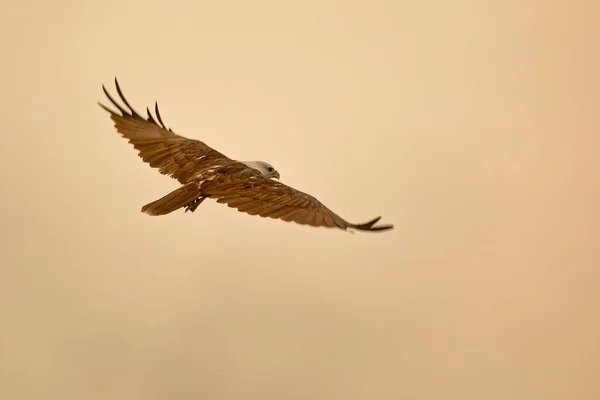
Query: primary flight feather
205, 173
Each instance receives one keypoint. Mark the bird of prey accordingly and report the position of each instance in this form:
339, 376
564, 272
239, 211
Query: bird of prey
205, 173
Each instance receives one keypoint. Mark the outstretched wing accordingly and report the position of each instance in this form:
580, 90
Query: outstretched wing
254, 194
159, 146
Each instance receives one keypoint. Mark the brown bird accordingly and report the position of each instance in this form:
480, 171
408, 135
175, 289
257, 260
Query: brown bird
206, 173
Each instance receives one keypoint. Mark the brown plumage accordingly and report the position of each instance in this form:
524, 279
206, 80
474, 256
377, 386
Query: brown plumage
206, 173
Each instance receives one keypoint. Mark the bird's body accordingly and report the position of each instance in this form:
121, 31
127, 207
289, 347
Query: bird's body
206, 173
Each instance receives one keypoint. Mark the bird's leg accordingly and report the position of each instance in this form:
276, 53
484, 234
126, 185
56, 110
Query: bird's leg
194, 204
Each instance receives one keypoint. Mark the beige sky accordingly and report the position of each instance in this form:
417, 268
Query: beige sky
473, 128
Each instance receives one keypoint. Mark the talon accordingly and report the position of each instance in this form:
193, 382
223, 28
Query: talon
194, 204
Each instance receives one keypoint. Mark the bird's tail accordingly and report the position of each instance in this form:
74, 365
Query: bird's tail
174, 200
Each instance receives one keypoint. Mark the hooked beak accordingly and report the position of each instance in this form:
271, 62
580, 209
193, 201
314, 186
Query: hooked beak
276, 175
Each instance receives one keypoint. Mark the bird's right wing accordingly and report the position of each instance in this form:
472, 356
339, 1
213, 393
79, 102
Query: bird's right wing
174, 155
254, 194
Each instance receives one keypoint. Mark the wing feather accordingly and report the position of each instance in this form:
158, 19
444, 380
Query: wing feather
272, 199
174, 155
282, 212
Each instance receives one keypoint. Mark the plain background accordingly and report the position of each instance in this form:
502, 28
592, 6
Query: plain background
472, 126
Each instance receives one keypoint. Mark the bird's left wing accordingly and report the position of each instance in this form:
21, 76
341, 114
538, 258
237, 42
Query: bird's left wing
174, 155
254, 194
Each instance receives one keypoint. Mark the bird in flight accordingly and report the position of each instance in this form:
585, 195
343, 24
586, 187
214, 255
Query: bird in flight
205, 173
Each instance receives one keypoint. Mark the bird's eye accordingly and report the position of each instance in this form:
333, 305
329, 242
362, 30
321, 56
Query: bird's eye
270, 169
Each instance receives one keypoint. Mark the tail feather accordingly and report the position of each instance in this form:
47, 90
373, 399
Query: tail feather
174, 200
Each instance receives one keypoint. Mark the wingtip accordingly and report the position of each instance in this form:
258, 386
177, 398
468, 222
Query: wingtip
382, 228
370, 226
118, 87
372, 222
105, 108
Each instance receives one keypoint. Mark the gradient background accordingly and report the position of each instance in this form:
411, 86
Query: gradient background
473, 128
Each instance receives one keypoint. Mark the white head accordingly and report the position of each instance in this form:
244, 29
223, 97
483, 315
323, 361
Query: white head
265, 168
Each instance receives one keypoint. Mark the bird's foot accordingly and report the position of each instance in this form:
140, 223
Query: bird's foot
194, 204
